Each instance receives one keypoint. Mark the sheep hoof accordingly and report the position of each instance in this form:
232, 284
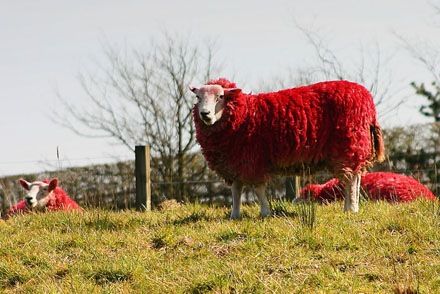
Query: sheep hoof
265, 214
234, 216
352, 209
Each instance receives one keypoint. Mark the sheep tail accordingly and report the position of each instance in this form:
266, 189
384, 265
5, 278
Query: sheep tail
377, 143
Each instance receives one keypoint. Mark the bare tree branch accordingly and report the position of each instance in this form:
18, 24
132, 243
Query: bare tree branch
426, 53
368, 70
143, 98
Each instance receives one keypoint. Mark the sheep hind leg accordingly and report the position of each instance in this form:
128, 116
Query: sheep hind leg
260, 190
236, 199
352, 192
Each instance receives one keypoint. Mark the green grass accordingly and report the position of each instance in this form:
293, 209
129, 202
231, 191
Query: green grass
196, 249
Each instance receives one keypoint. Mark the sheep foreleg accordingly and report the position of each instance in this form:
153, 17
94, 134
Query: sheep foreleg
260, 190
352, 193
236, 199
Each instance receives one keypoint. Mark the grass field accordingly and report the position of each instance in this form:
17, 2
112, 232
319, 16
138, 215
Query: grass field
196, 249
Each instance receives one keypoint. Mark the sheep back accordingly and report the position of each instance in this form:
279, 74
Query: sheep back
61, 201
394, 187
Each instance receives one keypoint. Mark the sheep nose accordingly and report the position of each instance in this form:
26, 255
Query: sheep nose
205, 115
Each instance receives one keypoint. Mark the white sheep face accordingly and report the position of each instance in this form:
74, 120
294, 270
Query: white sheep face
210, 103
38, 193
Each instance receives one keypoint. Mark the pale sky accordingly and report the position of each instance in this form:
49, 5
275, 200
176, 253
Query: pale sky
44, 44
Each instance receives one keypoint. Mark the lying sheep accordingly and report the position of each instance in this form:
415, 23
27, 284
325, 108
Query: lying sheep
386, 186
248, 138
42, 196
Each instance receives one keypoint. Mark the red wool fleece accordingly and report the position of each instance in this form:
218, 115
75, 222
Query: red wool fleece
377, 186
329, 125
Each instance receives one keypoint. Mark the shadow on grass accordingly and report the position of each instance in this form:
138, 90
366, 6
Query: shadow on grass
158, 242
103, 221
61, 274
280, 209
213, 285
243, 215
194, 217
103, 277
203, 287
229, 236
10, 279
14, 280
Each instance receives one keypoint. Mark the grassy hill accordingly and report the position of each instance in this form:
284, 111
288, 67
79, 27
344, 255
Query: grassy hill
196, 249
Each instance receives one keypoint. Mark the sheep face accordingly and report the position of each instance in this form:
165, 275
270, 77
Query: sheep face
38, 193
210, 103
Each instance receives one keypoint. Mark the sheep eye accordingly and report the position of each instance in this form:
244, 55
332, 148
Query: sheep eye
221, 96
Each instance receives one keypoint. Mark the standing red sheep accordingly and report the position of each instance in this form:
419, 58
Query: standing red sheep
42, 196
387, 186
248, 138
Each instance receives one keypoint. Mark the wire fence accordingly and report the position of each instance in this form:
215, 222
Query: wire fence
112, 186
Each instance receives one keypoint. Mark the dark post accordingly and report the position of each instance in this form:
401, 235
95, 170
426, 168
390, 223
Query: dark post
143, 179
290, 189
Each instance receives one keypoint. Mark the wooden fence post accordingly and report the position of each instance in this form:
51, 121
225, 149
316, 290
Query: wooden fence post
293, 186
143, 177
297, 185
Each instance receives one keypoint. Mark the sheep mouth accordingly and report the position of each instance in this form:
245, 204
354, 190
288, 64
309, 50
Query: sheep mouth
208, 121
31, 202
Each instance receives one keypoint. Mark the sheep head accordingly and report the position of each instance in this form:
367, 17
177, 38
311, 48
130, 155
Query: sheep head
211, 100
38, 193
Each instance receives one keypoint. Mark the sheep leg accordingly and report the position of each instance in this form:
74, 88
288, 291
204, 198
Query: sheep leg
352, 193
260, 190
236, 199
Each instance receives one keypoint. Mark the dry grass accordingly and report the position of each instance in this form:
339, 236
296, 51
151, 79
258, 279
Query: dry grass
196, 249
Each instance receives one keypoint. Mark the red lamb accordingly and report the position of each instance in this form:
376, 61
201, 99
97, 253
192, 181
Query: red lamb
248, 138
43, 196
386, 186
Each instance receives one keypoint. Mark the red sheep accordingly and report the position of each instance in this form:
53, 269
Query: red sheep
377, 186
248, 138
42, 196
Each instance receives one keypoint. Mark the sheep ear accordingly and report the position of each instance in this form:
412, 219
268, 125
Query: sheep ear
193, 89
230, 92
53, 184
25, 184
